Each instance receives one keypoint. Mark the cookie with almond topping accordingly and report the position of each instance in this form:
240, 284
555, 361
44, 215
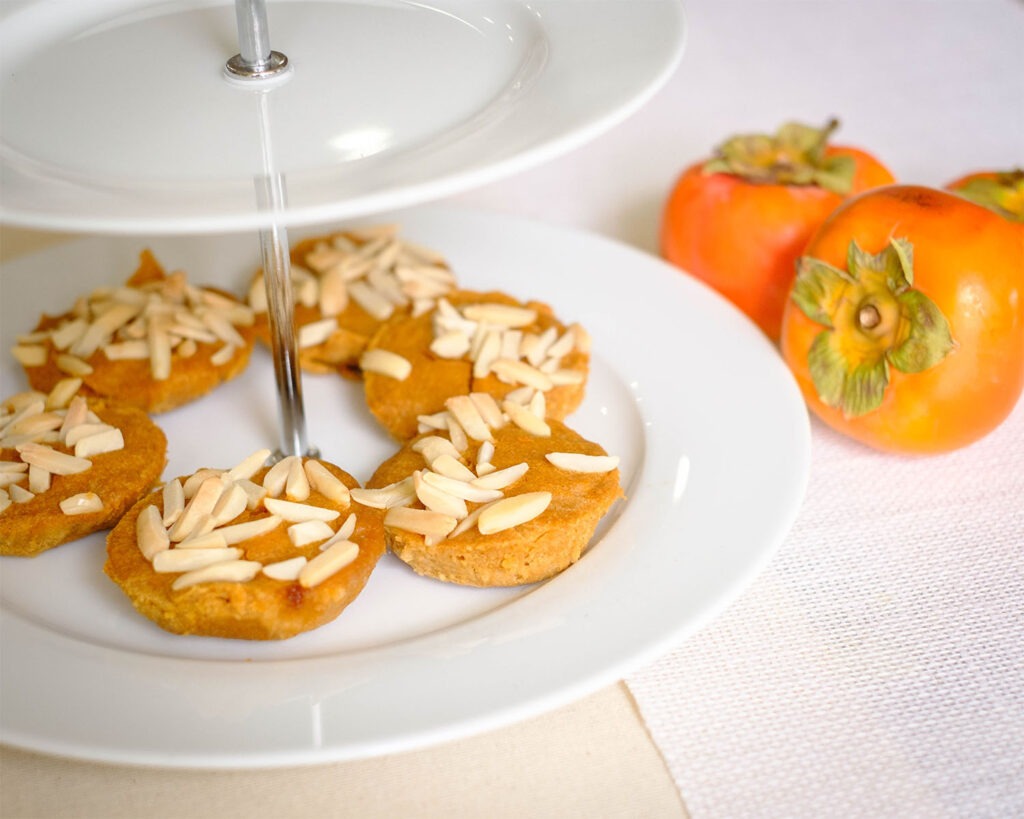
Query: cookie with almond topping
473, 342
71, 466
252, 552
516, 504
156, 343
345, 284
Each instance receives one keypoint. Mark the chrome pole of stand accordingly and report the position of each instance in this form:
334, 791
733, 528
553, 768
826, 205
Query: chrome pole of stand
255, 61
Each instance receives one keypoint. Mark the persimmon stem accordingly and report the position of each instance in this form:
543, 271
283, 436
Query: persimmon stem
868, 317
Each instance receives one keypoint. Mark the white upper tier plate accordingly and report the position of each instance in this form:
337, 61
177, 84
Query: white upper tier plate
714, 442
117, 116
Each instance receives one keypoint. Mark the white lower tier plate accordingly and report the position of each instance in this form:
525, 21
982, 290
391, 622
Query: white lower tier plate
715, 446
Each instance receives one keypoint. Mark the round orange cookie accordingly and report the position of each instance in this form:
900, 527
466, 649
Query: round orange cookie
345, 284
40, 471
563, 506
267, 583
155, 343
473, 342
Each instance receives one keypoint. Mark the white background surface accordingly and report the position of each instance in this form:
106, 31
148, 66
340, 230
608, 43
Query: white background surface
934, 87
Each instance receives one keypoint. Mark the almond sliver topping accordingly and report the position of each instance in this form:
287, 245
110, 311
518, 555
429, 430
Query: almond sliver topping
501, 478
38, 479
240, 532
297, 487
504, 315
419, 521
19, 494
400, 493
449, 466
109, 440
230, 571
173, 502
249, 466
469, 417
526, 420
345, 531
519, 372
59, 463
62, 393
276, 478
437, 500
232, 502
206, 540
326, 483
432, 447
488, 409
298, 512
328, 563
187, 560
285, 569
309, 531
461, 489
317, 332
385, 362
73, 365
150, 534
578, 462
200, 506
81, 504
513, 511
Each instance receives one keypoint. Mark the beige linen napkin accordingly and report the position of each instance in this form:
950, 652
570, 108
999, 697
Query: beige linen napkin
876, 668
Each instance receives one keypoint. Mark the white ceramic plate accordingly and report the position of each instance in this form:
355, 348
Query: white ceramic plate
714, 441
117, 118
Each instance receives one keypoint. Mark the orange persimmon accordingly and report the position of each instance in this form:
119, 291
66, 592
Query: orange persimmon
905, 324
1000, 191
740, 220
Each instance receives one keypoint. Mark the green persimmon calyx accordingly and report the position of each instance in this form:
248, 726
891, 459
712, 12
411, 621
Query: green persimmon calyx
793, 155
875, 320
1004, 194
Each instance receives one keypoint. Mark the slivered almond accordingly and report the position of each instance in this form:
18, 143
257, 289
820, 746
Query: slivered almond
419, 521
83, 503
73, 365
488, 409
62, 393
187, 560
469, 417
457, 434
298, 512
249, 466
222, 328
253, 491
520, 372
450, 344
103, 327
565, 344
13, 466
437, 500
83, 430
451, 467
285, 569
485, 356
185, 330
346, 530
231, 571
5, 500
232, 502
538, 350
316, 332
564, 377
431, 447
173, 498
276, 478
504, 315
400, 493
240, 532
133, 350
200, 505
59, 463
520, 395
385, 362
109, 440
510, 340
484, 455
370, 300
461, 489
159, 351
77, 413
333, 293
326, 482
206, 540
28, 408
38, 479
187, 348
223, 355
538, 405
258, 295
526, 420
9, 478
35, 424
150, 534
309, 531
328, 563
68, 333
30, 355
502, 478
297, 487
19, 494
513, 511
437, 420
578, 462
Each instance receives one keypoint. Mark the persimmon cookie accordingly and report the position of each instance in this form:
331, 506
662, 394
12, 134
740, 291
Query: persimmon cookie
473, 342
252, 552
502, 497
71, 466
345, 284
156, 342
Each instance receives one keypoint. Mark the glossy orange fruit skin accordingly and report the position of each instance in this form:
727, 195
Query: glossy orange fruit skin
970, 262
743, 238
